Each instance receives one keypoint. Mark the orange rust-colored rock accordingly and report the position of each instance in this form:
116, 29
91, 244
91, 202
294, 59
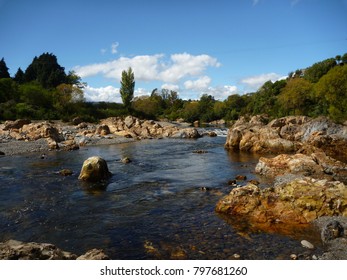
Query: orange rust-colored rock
297, 202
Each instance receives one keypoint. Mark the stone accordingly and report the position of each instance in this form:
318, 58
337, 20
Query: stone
307, 244
314, 163
254, 182
66, 172
287, 135
241, 178
2, 153
94, 169
187, 133
200, 152
17, 124
103, 130
126, 160
94, 254
297, 202
285, 163
77, 121
17, 250
332, 230
129, 121
293, 257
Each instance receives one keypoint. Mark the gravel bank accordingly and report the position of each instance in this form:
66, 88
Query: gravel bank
15, 147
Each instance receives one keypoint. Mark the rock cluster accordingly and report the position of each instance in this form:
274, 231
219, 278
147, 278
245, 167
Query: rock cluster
316, 165
287, 135
309, 179
135, 128
71, 137
17, 250
297, 202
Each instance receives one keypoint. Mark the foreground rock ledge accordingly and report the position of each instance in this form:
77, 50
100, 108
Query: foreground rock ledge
298, 202
17, 250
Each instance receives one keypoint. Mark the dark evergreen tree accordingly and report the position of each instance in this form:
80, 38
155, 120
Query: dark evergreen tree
19, 76
46, 71
4, 69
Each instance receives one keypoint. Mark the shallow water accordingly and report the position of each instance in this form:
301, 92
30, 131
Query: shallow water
151, 208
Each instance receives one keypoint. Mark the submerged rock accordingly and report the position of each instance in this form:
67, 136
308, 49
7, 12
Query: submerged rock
297, 202
94, 169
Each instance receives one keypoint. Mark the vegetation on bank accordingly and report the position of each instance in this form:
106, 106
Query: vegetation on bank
45, 91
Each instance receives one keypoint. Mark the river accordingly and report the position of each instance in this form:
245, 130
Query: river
161, 205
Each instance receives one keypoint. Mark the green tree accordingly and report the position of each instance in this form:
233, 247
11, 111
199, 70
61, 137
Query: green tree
127, 87
4, 69
205, 108
331, 90
8, 90
344, 58
46, 70
296, 97
319, 69
19, 77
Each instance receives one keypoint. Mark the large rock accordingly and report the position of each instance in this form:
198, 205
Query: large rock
297, 202
284, 164
17, 124
17, 250
287, 135
94, 169
144, 129
315, 164
257, 136
34, 131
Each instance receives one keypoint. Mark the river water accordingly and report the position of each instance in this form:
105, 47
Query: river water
157, 206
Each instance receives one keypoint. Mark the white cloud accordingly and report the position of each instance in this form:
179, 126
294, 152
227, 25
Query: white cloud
186, 65
114, 47
152, 67
221, 92
141, 92
199, 84
255, 2
255, 82
171, 87
107, 94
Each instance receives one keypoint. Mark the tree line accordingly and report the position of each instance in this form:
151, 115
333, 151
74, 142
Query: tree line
45, 91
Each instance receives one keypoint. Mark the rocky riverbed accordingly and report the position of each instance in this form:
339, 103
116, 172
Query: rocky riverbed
306, 160
24, 136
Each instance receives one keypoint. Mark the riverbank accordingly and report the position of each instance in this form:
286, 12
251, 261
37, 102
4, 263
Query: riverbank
23, 136
306, 159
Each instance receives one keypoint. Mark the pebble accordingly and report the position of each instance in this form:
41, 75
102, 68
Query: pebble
307, 244
236, 256
126, 160
293, 257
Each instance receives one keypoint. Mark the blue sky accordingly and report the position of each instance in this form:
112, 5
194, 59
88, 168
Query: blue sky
218, 47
